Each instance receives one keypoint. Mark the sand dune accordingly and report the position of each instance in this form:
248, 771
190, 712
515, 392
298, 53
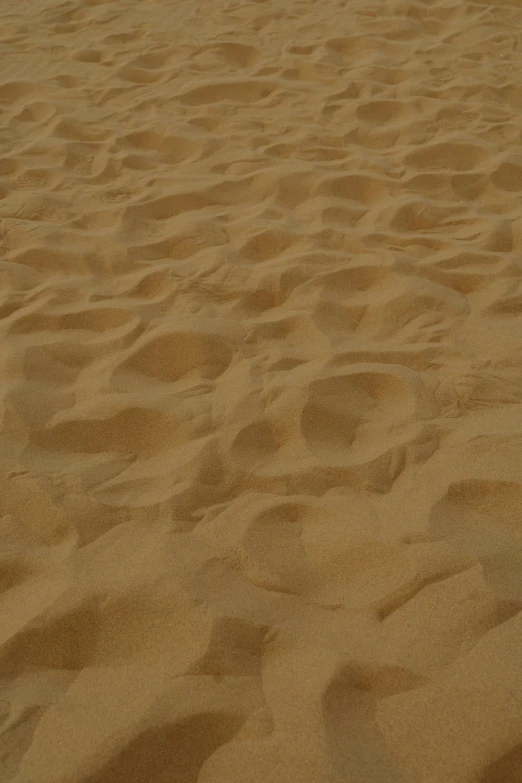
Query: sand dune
260, 386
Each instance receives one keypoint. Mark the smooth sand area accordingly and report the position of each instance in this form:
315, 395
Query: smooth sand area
260, 391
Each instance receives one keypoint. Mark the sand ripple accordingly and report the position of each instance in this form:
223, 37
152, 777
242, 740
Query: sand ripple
261, 315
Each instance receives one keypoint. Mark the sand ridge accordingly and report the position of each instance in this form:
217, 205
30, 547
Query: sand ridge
261, 317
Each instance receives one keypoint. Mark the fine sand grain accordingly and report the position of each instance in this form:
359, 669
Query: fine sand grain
260, 391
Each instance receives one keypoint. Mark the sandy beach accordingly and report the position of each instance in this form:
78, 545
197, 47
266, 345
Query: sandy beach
260, 391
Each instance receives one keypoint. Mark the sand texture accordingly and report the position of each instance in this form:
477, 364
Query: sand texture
260, 391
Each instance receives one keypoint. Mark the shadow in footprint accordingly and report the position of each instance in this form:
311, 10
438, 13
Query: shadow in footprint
507, 769
170, 754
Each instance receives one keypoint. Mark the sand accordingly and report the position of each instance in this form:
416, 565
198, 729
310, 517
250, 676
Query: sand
260, 387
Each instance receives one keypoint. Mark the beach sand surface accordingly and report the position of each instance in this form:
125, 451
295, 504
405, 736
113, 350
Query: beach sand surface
260, 391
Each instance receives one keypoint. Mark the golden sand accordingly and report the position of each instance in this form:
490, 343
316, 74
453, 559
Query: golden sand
260, 387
